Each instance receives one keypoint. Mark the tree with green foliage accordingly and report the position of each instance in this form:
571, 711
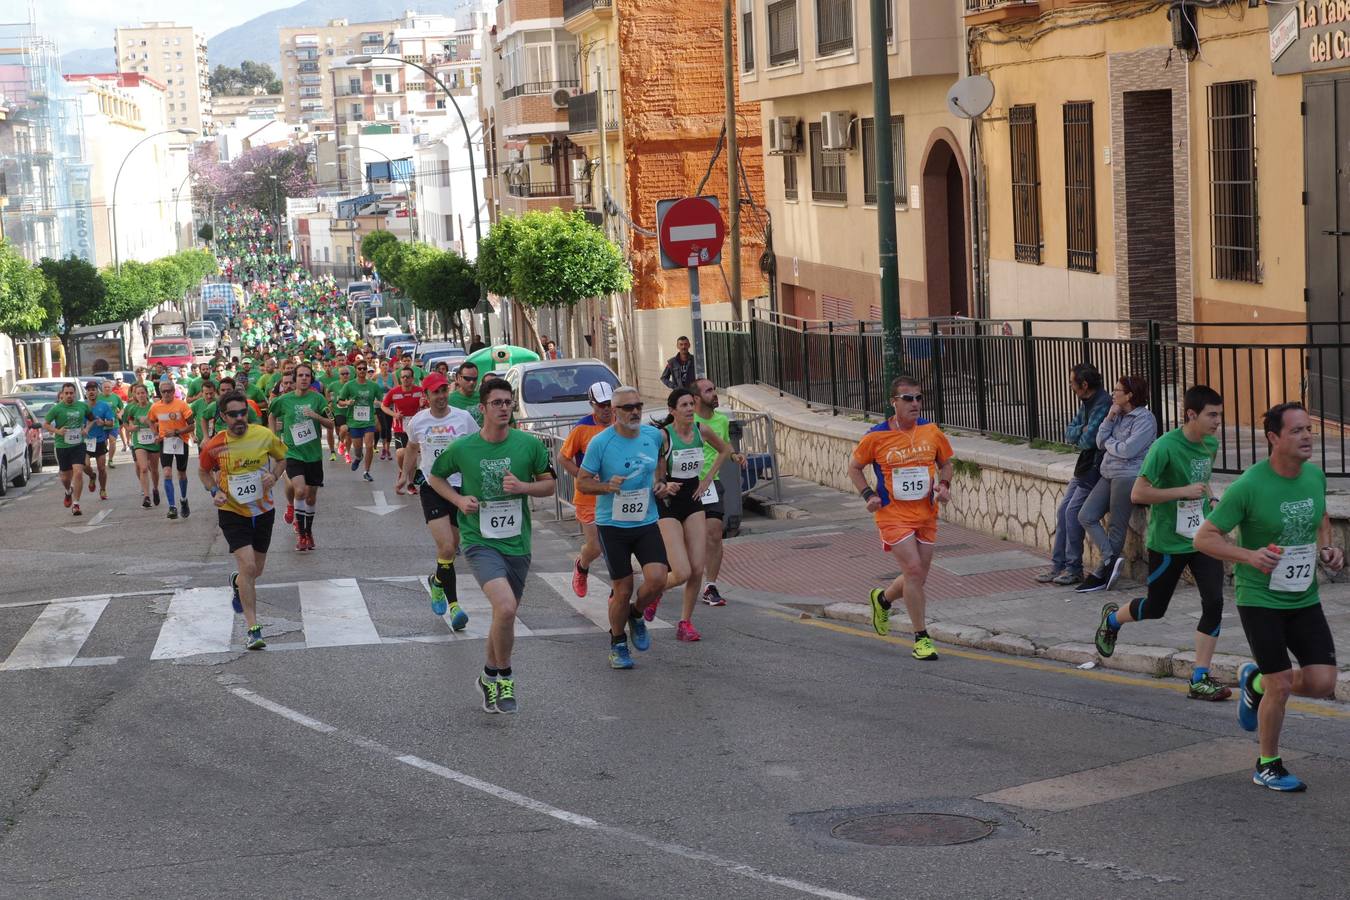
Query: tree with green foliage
249, 78
207, 232
371, 243
561, 259
497, 255
441, 282
23, 293
80, 296
390, 260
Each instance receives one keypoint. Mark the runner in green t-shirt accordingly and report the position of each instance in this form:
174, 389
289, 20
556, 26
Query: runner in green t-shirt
464, 392
68, 419
501, 468
359, 400
145, 443
1174, 484
300, 414
204, 412
116, 402
708, 418
1279, 505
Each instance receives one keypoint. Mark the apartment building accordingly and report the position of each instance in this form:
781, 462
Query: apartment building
175, 56
809, 63
309, 56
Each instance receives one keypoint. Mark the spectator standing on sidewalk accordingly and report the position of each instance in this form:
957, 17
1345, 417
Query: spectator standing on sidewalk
1066, 560
1125, 435
679, 370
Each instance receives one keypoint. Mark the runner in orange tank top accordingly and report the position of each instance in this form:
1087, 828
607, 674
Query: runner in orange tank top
911, 461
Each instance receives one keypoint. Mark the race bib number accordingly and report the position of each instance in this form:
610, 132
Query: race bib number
173, 446
911, 483
686, 463
90, 445
709, 497
435, 444
74, 436
1190, 514
303, 432
631, 506
247, 487
145, 436
500, 518
360, 413
1295, 570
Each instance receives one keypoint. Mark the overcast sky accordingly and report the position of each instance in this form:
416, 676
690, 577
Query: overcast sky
78, 24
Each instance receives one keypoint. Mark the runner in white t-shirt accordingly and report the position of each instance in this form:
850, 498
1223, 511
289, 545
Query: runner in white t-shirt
430, 432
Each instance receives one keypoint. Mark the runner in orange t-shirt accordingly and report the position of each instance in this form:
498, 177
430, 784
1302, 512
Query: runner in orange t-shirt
172, 417
911, 460
573, 450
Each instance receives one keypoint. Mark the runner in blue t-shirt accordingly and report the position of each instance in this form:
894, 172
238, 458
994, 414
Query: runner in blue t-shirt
625, 467
103, 427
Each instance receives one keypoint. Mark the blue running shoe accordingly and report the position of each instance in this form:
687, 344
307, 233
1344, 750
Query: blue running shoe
235, 603
1248, 699
458, 618
438, 604
356, 463
619, 657
638, 630
1275, 776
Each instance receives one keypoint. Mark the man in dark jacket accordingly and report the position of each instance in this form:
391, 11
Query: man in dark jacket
679, 370
1066, 560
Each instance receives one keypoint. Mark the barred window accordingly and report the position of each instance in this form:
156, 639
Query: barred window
828, 181
1232, 181
747, 35
782, 21
789, 176
1080, 198
867, 135
1026, 184
834, 26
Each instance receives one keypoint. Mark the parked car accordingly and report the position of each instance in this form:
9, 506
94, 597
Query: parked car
206, 323
379, 326
402, 347
453, 357
435, 348
32, 423
359, 287
205, 339
43, 385
556, 387
13, 449
397, 338
169, 352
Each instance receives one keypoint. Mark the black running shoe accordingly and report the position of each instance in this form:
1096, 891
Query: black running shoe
186, 510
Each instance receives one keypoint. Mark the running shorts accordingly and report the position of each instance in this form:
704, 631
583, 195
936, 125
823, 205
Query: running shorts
434, 506
166, 460
68, 458
1275, 633
682, 504
717, 510
898, 534
362, 431
400, 440
489, 564
100, 449
244, 531
620, 545
339, 420
313, 471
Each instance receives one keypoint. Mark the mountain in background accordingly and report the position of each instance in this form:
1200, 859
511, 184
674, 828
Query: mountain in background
257, 39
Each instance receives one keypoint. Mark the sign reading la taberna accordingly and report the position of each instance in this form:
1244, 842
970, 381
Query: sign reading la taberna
1307, 36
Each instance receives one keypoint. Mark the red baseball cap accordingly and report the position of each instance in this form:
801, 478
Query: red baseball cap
434, 382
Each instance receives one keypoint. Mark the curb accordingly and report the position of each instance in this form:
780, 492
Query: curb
1159, 662
771, 510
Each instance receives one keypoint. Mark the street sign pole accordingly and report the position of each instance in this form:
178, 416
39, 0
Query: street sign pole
696, 313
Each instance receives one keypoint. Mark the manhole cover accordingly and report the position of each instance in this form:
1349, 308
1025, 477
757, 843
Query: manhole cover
913, 830
815, 546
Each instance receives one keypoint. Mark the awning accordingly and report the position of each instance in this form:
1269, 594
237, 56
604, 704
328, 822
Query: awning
87, 330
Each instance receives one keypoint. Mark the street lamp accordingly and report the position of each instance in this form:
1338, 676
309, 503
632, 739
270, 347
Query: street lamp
409, 181
365, 59
177, 226
117, 257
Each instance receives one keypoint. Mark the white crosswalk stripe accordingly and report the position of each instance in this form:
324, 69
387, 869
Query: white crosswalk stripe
333, 613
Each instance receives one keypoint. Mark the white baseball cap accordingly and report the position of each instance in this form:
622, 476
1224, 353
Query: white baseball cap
601, 392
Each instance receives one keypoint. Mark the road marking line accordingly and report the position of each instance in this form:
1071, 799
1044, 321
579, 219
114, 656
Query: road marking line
87, 597
1132, 777
200, 620
1017, 662
56, 637
334, 614
474, 602
595, 605
538, 806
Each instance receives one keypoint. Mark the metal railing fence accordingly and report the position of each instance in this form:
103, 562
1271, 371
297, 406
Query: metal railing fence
1012, 378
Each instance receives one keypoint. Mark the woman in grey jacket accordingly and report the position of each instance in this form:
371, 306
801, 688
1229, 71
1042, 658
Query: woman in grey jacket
1124, 438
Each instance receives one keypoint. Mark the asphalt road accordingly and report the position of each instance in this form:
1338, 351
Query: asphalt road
734, 767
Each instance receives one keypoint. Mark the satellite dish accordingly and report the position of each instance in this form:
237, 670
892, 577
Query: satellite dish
971, 96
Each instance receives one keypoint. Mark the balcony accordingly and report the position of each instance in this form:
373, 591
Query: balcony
575, 9
311, 68
983, 12
583, 112
537, 189
537, 87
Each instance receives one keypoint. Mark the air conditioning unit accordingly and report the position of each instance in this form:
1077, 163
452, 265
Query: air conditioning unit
836, 130
578, 170
785, 135
561, 97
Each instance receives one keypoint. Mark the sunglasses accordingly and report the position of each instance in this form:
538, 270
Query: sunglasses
360, 368
631, 407
235, 413
908, 398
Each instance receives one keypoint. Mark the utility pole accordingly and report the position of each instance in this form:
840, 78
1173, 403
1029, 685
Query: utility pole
888, 252
733, 160
593, 325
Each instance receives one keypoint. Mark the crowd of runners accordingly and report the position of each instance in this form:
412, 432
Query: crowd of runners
647, 489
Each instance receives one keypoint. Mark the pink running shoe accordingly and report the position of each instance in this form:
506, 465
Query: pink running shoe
650, 612
578, 579
685, 631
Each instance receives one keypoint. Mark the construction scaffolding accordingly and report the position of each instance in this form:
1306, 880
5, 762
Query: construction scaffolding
44, 179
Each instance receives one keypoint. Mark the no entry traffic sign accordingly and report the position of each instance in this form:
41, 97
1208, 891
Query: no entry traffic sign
690, 231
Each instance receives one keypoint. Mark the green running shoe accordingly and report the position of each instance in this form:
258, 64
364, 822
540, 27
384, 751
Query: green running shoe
488, 688
881, 617
924, 649
1106, 635
438, 602
506, 695
1208, 689
255, 638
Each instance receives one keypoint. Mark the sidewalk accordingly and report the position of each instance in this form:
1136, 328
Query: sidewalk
981, 592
